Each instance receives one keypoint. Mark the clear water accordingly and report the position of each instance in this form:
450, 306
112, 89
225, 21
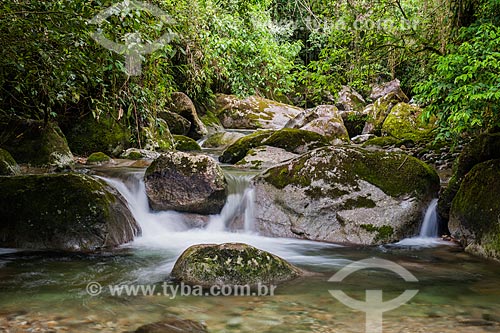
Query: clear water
47, 291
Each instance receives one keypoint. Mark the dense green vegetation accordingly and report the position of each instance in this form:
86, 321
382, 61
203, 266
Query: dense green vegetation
297, 51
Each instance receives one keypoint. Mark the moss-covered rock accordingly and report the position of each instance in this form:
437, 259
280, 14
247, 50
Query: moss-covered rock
378, 111
98, 158
383, 141
231, 265
36, 143
157, 136
324, 120
253, 112
186, 183
63, 211
333, 193
8, 166
211, 122
240, 148
183, 143
350, 100
475, 210
222, 139
88, 135
265, 157
182, 105
404, 122
384, 89
139, 154
177, 124
483, 148
292, 140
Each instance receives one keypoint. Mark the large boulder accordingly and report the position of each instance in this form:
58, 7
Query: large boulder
350, 100
264, 157
173, 325
475, 210
156, 136
238, 150
184, 143
182, 105
177, 124
483, 148
253, 112
292, 140
222, 139
36, 143
346, 195
405, 122
232, 265
384, 89
8, 166
323, 119
378, 111
186, 183
87, 135
70, 212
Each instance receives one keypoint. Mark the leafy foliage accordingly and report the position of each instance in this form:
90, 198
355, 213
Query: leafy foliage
464, 90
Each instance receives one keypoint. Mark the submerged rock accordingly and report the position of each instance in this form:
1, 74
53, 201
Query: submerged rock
253, 112
182, 105
292, 140
8, 166
475, 211
70, 212
173, 325
346, 195
264, 157
232, 264
186, 183
36, 143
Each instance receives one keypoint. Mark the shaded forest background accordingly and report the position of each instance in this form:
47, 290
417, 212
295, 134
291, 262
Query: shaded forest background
445, 52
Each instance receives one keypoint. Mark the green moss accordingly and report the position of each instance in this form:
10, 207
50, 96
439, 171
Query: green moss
477, 208
8, 166
404, 122
210, 119
64, 211
240, 148
231, 264
183, 143
394, 173
36, 143
292, 139
383, 141
135, 155
89, 135
359, 202
97, 158
384, 233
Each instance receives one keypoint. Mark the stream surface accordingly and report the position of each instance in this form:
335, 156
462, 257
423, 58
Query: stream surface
48, 290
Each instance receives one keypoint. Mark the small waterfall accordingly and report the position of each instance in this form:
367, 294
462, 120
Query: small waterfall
237, 213
430, 225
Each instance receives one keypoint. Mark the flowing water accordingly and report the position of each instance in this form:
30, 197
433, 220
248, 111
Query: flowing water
47, 291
